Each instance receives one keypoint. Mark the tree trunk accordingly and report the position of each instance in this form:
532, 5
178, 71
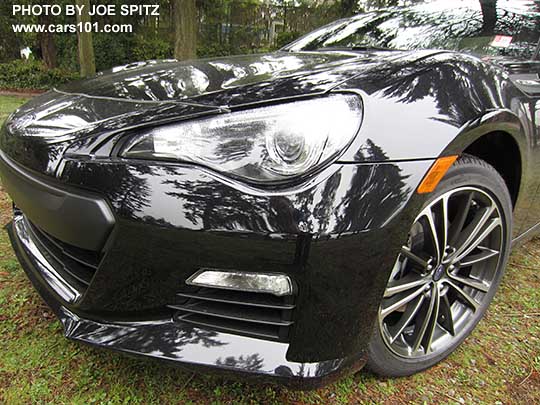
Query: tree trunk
85, 45
285, 6
489, 13
185, 29
46, 43
348, 7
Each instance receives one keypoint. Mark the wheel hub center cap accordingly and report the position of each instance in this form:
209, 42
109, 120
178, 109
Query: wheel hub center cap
438, 273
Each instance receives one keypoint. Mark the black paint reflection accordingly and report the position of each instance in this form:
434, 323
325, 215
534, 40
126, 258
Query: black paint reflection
313, 234
372, 198
168, 343
40, 132
200, 349
224, 208
252, 362
166, 339
171, 80
429, 103
352, 199
158, 244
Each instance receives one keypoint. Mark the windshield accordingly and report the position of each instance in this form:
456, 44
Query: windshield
484, 27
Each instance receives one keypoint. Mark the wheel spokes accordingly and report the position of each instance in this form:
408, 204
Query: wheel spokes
434, 234
424, 327
485, 254
445, 223
470, 282
476, 232
397, 302
430, 331
408, 316
443, 274
462, 210
445, 316
437, 226
469, 300
460, 254
415, 258
404, 284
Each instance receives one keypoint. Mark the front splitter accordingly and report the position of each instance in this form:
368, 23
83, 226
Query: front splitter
181, 344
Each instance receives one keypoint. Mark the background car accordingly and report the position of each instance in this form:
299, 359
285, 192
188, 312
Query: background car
350, 198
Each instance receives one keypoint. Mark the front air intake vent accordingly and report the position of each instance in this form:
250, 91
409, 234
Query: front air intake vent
258, 315
76, 265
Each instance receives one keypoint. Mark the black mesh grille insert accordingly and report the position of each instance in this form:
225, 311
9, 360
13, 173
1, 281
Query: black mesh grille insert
253, 314
76, 265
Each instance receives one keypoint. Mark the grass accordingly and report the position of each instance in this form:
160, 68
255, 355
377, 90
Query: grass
498, 364
9, 104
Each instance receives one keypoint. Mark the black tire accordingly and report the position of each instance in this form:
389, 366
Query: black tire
467, 171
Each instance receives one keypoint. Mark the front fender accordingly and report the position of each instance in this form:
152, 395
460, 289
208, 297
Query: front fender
503, 120
437, 106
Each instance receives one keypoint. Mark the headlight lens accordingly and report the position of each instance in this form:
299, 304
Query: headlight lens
261, 144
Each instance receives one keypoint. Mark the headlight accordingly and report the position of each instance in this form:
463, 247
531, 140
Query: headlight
261, 144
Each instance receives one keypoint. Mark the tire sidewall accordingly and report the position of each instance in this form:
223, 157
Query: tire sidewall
467, 171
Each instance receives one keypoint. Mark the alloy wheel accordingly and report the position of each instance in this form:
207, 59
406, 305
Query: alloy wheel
443, 274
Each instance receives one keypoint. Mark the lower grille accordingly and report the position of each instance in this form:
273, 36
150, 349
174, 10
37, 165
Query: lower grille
258, 315
76, 265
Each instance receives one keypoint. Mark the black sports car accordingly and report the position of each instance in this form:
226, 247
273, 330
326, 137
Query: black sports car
350, 198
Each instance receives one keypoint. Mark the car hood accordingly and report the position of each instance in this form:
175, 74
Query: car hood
148, 91
153, 92
244, 79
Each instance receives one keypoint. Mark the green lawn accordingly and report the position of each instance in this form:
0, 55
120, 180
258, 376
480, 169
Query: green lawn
499, 363
8, 104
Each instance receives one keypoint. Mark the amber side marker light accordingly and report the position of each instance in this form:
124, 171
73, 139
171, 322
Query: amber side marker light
435, 174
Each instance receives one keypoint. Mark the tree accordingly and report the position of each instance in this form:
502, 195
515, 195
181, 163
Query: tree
185, 29
348, 7
374, 4
489, 14
10, 43
46, 43
85, 45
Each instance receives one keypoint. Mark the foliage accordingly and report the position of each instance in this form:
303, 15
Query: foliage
124, 49
146, 48
112, 53
10, 43
20, 74
286, 37
212, 50
66, 46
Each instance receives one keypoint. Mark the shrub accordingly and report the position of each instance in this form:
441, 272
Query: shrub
212, 50
286, 37
146, 48
111, 51
19, 74
66, 52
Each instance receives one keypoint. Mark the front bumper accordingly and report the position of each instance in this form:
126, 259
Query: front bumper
336, 238
185, 345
